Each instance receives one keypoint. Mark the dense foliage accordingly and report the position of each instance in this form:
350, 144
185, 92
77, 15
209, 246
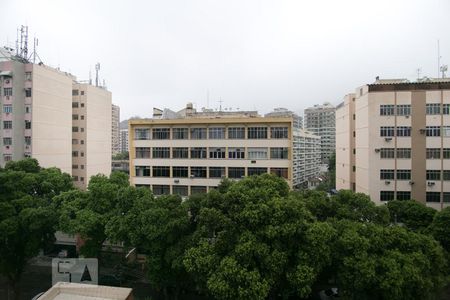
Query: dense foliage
251, 239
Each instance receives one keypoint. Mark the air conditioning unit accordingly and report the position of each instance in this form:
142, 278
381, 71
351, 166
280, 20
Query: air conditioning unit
407, 116
387, 182
377, 150
176, 180
422, 131
430, 183
411, 182
7, 147
7, 81
7, 97
388, 139
192, 176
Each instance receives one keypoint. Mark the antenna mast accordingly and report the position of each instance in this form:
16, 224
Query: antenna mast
439, 58
97, 68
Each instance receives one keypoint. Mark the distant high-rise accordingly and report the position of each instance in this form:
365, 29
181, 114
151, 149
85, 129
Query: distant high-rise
123, 136
115, 132
321, 120
284, 112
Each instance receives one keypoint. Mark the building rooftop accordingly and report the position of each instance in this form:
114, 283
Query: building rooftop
77, 291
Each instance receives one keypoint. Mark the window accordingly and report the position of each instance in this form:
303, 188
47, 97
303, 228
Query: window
433, 108
28, 76
433, 197
198, 133
387, 110
28, 140
160, 171
198, 189
82, 129
75, 178
257, 133
161, 152
433, 153
82, 93
236, 153
404, 109
7, 141
81, 178
446, 197
142, 133
403, 174
403, 195
181, 152
74, 104
7, 108
74, 129
180, 133
235, 133
386, 195
403, 152
161, 133
446, 153
216, 172
198, 152
74, 166
181, 190
281, 172
216, 152
278, 132
446, 175
142, 152
433, 131
433, 174
446, 131
82, 117
82, 142
82, 167
386, 131
74, 117
257, 153
386, 174
160, 189
256, 171
74, 153
82, 154
279, 153
7, 91
216, 133
387, 153
28, 92
236, 172
198, 172
446, 109
181, 172
7, 124
27, 109
403, 131
74, 92
82, 104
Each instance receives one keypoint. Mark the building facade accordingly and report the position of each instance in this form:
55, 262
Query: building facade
36, 112
123, 138
115, 131
192, 154
393, 141
91, 134
321, 121
284, 112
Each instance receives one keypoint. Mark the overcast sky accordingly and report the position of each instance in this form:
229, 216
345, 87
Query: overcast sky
251, 54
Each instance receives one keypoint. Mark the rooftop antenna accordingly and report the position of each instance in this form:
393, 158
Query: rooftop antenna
97, 68
220, 104
17, 41
23, 42
439, 58
34, 54
444, 68
90, 76
419, 71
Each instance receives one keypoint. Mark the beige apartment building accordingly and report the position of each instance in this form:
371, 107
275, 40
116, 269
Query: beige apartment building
91, 132
189, 152
115, 133
393, 141
36, 112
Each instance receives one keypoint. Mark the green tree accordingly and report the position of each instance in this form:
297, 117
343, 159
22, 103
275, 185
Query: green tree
121, 156
28, 219
255, 241
414, 215
440, 228
87, 213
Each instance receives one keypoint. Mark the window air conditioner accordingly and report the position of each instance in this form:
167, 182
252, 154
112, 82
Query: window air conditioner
377, 150
176, 180
387, 182
388, 139
411, 182
430, 183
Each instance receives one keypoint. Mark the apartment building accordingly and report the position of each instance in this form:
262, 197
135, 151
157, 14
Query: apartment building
191, 154
115, 131
91, 132
393, 141
321, 121
123, 136
284, 112
36, 112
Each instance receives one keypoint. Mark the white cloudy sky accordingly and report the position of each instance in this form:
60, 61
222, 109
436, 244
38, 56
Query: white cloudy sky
252, 54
